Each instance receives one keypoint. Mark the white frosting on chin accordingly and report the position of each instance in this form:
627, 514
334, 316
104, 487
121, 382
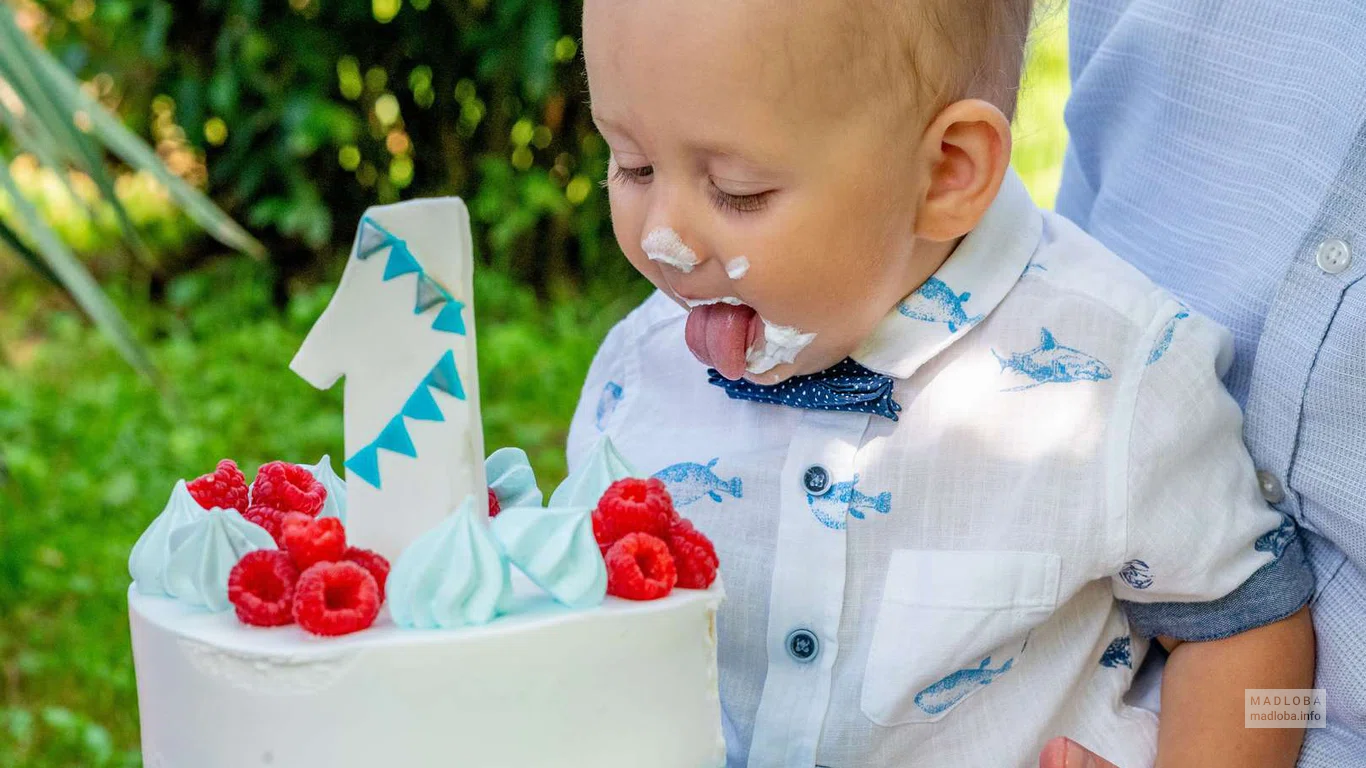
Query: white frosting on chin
666, 247
737, 268
731, 300
781, 344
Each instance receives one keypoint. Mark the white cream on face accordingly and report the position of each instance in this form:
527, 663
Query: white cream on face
718, 300
781, 344
663, 245
737, 267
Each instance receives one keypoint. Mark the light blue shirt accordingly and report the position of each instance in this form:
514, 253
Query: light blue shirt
1221, 148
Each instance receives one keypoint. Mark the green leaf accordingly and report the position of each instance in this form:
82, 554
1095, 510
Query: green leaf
11, 238
44, 85
23, 64
72, 275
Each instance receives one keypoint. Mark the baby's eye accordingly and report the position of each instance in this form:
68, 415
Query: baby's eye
740, 203
638, 175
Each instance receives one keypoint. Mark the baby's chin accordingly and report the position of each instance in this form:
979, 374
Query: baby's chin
806, 363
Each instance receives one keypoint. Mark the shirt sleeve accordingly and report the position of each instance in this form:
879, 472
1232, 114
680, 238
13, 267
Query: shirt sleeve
604, 389
1205, 556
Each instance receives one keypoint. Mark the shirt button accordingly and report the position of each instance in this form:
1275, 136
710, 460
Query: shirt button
816, 480
803, 646
1270, 487
1334, 256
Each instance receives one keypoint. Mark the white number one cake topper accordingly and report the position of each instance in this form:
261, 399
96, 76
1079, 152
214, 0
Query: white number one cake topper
401, 330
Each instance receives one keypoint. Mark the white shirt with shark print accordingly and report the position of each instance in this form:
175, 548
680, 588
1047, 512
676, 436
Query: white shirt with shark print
1064, 444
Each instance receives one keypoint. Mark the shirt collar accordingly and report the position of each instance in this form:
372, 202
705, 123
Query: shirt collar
965, 289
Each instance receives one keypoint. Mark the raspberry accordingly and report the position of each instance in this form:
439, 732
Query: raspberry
336, 599
288, 487
312, 540
267, 517
639, 567
494, 507
261, 588
633, 505
225, 488
694, 556
372, 562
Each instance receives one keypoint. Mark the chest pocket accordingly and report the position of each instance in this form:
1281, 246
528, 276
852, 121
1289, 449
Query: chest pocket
949, 624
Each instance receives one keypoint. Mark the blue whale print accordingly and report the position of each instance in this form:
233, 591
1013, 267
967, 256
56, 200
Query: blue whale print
689, 481
1165, 339
607, 402
1136, 574
1117, 654
1052, 363
935, 302
942, 695
1276, 541
845, 498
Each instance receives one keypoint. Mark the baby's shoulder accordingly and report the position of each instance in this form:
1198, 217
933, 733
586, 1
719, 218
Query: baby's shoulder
1075, 282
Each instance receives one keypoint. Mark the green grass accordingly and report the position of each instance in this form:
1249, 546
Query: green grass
88, 451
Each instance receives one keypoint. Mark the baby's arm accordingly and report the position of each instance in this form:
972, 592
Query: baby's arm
1202, 721
1207, 567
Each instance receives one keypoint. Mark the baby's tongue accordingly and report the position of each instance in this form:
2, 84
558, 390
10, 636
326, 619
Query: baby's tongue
720, 335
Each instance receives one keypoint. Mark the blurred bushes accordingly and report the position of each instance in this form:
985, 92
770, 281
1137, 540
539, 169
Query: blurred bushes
297, 114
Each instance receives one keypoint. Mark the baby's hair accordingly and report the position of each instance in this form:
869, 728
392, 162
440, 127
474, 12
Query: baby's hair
946, 50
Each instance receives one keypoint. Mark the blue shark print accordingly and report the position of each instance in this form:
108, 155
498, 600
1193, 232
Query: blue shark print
1052, 363
1136, 574
1276, 541
845, 498
689, 481
1117, 654
1033, 266
607, 402
1165, 340
942, 695
935, 302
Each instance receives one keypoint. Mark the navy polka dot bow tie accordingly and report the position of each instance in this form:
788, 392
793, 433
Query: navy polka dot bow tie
845, 386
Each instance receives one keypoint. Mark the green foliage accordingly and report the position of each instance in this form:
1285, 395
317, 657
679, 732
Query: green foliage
48, 115
308, 111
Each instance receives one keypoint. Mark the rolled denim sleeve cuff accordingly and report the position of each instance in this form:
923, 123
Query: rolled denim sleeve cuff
1273, 592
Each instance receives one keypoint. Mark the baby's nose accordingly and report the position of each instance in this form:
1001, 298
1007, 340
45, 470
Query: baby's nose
665, 246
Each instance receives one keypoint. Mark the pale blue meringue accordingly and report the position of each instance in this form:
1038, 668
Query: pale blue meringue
511, 478
451, 576
601, 467
203, 554
556, 549
147, 561
335, 503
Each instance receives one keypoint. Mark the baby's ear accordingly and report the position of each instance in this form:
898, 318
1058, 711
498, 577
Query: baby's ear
965, 152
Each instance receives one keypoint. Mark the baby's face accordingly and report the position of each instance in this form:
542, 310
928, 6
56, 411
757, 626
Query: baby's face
745, 172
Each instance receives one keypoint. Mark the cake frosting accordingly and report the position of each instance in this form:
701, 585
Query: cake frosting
602, 467
452, 576
495, 643
204, 552
152, 553
512, 479
555, 548
335, 503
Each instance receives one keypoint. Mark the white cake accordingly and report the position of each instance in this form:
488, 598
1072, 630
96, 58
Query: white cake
469, 663
627, 684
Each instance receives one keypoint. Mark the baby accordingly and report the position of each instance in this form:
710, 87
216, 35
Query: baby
960, 463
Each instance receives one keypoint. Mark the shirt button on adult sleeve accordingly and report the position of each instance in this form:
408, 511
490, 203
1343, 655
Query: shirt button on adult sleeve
1270, 486
1334, 256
